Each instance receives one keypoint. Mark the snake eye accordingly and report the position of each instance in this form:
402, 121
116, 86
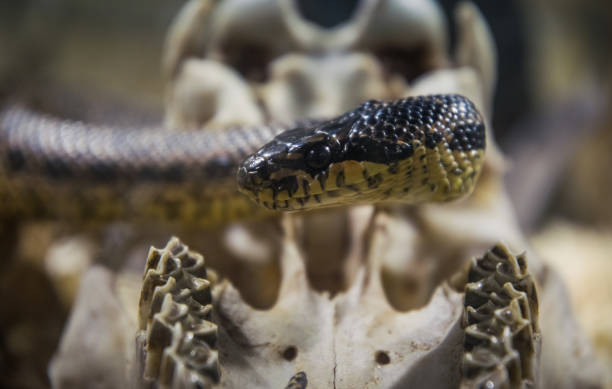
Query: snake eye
318, 156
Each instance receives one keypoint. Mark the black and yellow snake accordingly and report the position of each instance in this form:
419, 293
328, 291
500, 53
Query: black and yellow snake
417, 149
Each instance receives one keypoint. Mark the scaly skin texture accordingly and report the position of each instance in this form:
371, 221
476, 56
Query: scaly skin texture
413, 150
52, 168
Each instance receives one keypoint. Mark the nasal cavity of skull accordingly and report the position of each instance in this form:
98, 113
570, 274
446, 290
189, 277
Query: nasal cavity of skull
290, 353
382, 357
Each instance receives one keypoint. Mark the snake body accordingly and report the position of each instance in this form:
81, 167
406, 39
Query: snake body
419, 149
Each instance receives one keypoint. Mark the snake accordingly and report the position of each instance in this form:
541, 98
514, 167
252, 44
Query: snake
411, 150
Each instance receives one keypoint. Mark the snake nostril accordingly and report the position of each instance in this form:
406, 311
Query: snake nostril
252, 163
242, 177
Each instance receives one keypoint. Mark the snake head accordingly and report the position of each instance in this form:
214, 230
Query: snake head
413, 150
281, 174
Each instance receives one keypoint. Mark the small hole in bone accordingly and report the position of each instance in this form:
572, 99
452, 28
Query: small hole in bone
382, 358
290, 353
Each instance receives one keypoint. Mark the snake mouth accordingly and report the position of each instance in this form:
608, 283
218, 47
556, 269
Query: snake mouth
296, 190
281, 189
276, 187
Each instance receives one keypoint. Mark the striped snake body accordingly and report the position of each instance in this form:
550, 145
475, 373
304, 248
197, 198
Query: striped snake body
414, 150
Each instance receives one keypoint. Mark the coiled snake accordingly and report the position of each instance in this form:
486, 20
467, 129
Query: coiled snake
414, 150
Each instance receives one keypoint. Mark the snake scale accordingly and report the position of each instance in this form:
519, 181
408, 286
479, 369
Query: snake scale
413, 150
